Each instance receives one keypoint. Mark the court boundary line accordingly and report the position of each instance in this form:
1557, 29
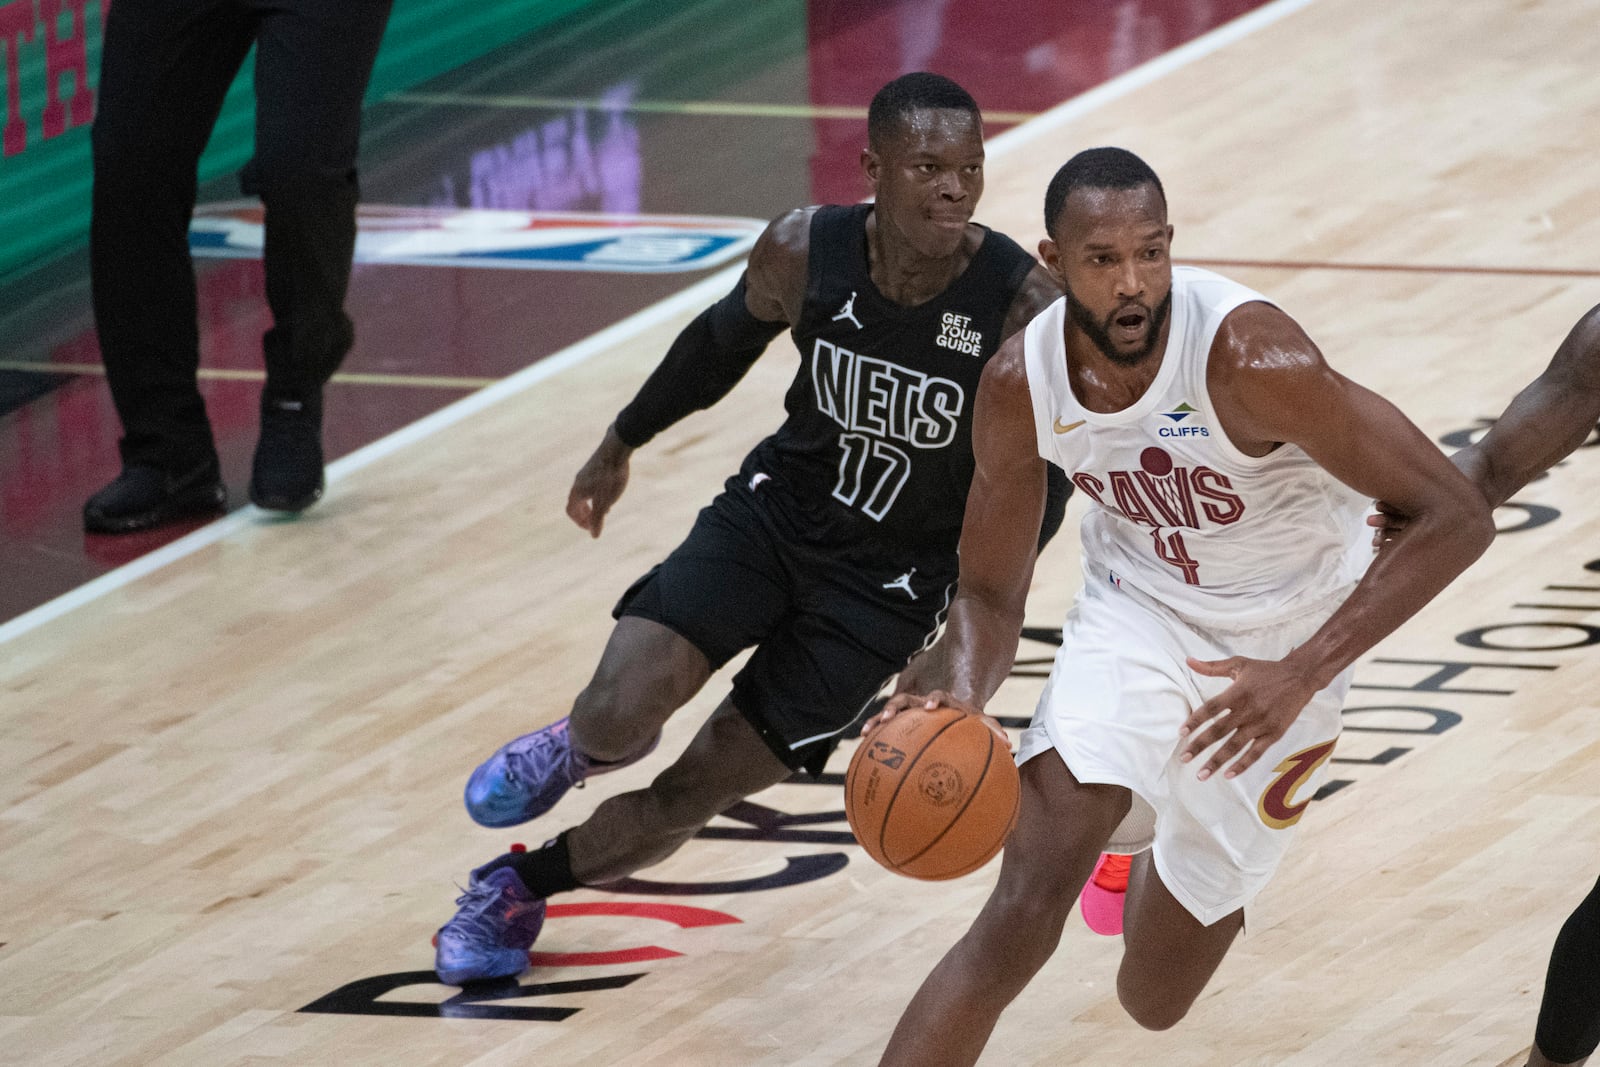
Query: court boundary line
697, 294
238, 374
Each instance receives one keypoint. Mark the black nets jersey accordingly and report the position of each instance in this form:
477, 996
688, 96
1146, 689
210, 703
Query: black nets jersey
875, 455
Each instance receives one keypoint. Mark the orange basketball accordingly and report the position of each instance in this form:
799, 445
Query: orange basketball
932, 794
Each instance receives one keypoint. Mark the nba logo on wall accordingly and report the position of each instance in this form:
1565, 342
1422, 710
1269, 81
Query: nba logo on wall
503, 240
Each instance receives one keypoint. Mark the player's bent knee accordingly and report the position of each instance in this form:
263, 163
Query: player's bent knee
1161, 1018
1153, 1012
1035, 891
617, 714
607, 722
596, 709
1042, 916
1028, 921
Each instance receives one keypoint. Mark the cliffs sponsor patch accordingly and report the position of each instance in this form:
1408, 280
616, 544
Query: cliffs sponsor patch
1188, 429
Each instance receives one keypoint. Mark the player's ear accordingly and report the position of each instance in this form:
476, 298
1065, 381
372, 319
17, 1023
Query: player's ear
1050, 256
871, 166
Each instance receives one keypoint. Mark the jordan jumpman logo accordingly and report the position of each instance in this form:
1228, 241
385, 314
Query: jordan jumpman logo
849, 311
903, 582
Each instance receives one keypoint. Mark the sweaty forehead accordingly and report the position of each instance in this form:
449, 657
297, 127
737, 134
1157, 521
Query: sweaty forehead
934, 130
1093, 214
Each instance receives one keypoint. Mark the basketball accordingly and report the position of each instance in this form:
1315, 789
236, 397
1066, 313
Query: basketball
932, 794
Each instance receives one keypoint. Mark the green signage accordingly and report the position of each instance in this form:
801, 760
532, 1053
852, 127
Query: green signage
50, 50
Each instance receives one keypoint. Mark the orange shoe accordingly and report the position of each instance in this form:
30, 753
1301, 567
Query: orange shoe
1102, 899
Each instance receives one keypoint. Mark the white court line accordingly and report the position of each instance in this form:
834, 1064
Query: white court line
699, 294
702, 292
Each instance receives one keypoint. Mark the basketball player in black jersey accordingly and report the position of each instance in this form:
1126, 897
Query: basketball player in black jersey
832, 552
1545, 423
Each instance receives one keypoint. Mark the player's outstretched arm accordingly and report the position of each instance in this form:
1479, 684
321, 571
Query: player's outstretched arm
1547, 420
1271, 385
999, 535
703, 365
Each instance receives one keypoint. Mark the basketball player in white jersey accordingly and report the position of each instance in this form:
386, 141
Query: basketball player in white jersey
1226, 594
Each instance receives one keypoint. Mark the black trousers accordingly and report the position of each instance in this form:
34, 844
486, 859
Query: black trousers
1569, 1015
165, 68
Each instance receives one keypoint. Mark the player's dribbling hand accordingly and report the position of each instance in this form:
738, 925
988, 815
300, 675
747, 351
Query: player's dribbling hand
599, 483
1248, 717
936, 699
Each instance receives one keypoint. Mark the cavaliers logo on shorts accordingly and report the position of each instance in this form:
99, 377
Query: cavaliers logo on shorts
1277, 806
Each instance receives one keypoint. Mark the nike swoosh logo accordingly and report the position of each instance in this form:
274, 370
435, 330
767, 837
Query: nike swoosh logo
1067, 427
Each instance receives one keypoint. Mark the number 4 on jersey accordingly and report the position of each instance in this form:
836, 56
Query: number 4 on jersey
1170, 548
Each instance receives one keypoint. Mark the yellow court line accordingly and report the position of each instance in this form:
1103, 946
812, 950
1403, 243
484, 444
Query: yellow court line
669, 107
413, 381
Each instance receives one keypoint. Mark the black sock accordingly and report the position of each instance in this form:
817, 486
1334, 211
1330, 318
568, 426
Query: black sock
544, 871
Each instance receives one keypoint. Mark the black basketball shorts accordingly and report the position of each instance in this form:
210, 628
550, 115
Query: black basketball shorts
827, 632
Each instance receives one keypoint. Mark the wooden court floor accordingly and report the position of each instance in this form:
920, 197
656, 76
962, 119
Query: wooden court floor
229, 790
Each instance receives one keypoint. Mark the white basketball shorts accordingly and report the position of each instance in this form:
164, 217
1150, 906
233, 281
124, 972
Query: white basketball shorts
1118, 693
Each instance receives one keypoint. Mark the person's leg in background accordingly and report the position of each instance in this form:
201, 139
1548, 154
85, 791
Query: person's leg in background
165, 68
313, 63
1568, 1031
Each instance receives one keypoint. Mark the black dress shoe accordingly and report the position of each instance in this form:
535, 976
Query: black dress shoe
143, 497
286, 474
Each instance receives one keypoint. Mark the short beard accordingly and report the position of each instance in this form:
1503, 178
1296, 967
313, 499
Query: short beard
1100, 333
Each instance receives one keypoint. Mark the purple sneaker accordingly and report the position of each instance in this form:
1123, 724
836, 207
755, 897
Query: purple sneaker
527, 776
491, 933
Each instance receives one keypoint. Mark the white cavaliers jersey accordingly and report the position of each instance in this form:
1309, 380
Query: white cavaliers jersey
1177, 511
